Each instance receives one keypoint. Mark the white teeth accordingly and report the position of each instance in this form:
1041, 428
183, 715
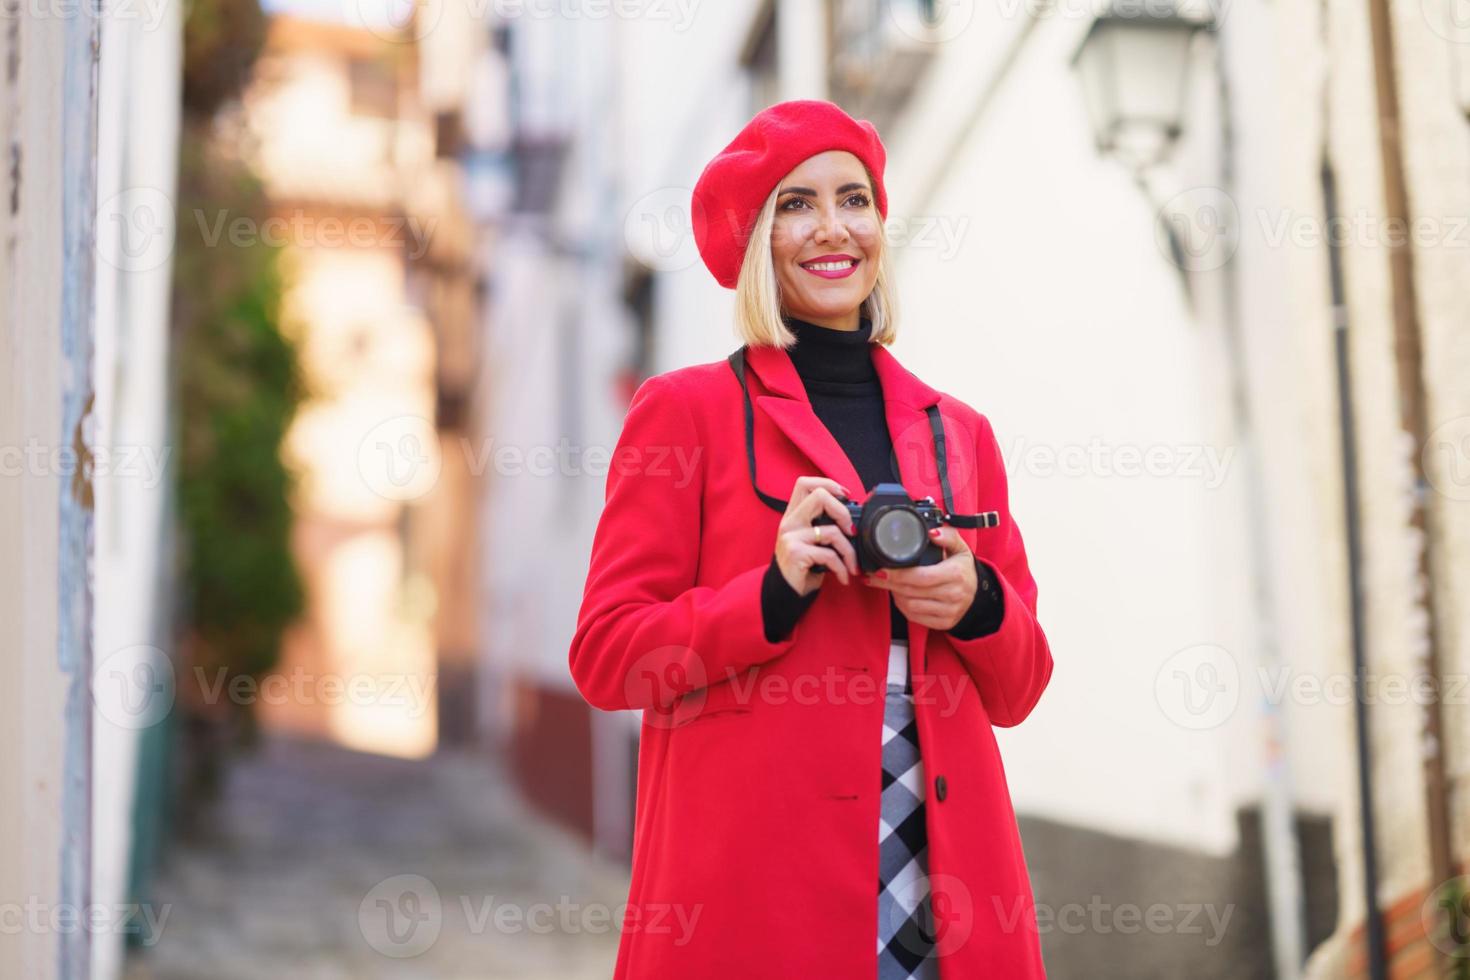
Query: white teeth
831, 266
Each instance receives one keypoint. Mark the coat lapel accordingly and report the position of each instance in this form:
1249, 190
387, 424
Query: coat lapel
905, 399
788, 406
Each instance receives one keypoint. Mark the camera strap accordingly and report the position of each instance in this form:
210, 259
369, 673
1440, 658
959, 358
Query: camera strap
989, 518
737, 364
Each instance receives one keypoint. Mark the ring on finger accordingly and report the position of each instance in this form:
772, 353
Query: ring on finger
817, 534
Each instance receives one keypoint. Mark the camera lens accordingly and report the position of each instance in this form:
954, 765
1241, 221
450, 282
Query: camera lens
899, 535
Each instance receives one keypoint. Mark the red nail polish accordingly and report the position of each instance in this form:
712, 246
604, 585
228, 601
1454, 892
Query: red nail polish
934, 532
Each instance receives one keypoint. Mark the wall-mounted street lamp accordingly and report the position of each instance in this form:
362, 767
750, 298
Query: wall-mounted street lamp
1133, 65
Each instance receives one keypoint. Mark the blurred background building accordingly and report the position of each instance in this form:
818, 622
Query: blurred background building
341, 141
356, 295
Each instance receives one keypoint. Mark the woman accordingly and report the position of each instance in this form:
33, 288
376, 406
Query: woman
808, 727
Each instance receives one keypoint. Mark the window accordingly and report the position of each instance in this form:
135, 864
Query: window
759, 60
374, 88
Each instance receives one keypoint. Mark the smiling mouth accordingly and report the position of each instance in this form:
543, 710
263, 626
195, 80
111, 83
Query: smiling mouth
831, 269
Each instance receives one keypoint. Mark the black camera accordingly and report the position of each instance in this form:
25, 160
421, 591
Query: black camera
892, 529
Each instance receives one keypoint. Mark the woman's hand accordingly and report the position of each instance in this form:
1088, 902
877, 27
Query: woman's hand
939, 595
802, 547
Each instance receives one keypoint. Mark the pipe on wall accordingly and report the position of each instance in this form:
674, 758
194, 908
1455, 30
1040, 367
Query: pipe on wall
1352, 507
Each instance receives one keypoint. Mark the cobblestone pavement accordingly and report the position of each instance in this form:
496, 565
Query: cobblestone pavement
332, 864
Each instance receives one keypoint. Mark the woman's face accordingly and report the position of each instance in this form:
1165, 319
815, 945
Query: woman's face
826, 240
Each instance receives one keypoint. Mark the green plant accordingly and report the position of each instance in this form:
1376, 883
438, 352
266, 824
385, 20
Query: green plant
237, 386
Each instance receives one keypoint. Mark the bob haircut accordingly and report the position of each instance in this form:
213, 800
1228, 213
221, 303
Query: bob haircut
758, 294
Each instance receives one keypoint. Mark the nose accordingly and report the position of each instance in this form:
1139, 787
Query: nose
830, 227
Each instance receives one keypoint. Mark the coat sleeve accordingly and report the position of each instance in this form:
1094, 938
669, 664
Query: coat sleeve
646, 633
1011, 666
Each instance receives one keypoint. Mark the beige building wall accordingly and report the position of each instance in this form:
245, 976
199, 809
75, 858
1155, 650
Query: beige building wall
1327, 52
47, 207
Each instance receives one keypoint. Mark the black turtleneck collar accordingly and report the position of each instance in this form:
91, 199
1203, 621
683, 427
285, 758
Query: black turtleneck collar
826, 355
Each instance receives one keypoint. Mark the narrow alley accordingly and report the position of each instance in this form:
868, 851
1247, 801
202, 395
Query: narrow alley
330, 864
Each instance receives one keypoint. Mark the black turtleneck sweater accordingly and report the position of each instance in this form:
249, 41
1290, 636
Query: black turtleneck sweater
836, 367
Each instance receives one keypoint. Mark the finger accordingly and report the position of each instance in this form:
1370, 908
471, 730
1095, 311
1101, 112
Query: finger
842, 546
820, 501
804, 485
827, 558
949, 539
945, 590
899, 588
897, 581
926, 612
930, 607
911, 577
831, 540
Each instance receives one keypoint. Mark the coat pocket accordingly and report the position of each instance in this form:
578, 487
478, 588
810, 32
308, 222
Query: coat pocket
727, 699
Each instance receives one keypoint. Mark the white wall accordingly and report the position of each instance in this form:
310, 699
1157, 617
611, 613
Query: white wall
136, 182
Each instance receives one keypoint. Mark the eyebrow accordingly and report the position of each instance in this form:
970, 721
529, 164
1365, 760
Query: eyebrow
811, 193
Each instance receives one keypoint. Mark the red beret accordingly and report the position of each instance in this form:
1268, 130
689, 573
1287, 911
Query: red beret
729, 193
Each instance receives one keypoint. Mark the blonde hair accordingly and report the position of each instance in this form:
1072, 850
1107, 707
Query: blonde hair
758, 293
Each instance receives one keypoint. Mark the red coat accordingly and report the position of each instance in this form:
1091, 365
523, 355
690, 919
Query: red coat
755, 849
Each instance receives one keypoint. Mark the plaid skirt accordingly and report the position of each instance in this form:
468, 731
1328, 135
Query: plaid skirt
905, 919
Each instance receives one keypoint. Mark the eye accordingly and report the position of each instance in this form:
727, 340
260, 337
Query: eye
856, 197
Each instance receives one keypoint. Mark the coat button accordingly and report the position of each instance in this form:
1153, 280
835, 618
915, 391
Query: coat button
941, 788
